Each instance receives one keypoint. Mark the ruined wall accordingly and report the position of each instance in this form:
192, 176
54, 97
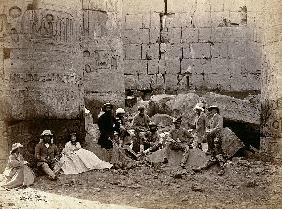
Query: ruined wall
271, 120
192, 44
40, 71
102, 53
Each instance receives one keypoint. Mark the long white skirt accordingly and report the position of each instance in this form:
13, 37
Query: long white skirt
81, 161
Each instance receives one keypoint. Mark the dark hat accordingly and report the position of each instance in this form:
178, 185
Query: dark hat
177, 120
152, 124
213, 107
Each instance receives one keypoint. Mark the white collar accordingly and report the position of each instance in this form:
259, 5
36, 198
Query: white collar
47, 145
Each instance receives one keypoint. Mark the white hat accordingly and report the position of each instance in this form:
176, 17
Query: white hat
199, 106
16, 146
120, 111
46, 133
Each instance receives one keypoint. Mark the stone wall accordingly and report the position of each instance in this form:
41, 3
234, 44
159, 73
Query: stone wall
174, 45
40, 71
271, 120
102, 53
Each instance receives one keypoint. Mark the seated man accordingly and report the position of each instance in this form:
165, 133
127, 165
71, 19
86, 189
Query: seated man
47, 155
181, 139
152, 141
140, 126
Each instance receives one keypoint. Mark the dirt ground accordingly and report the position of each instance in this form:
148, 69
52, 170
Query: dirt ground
246, 184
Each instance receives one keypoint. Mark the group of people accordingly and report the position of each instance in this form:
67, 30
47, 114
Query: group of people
207, 128
127, 141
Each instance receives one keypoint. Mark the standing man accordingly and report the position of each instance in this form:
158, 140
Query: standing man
200, 125
141, 126
47, 155
106, 127
214, 139
181, 140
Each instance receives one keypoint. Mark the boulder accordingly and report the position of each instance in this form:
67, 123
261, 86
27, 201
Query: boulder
230, 143
234, 109
197, 158
161, 104
162, 120
183, 105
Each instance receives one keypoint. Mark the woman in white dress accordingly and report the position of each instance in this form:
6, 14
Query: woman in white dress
77, 160
17, 173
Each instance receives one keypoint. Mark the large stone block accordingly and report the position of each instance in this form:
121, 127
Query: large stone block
218, 17
235, 109
174, 51
204, 34
186, 48
144, 6
130, 81
217, 5
190, 35
201, 50
104, 82
219, 50
220, 66
217, 34
136, 36
132, 51
153, 66
133, 21
150, 51
174, 35
181, 6
197, 81
197, 66
173, 66
131, 67
237, 49
231, 144
202, 19
145, 82
171, 82
154, 35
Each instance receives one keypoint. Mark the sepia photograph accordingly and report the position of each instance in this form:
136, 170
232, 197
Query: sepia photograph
154, 104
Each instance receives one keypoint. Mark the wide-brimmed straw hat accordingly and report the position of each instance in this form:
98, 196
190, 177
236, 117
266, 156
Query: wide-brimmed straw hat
16, 146
120, 111
199, 106
213, 107
46, 133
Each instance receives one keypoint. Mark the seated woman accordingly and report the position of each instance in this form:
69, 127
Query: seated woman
77, 160
17, 173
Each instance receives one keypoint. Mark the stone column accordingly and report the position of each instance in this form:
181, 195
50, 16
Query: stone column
271, 142
40, 71
102, 54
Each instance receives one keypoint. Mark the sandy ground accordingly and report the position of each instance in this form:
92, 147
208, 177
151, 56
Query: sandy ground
244, 185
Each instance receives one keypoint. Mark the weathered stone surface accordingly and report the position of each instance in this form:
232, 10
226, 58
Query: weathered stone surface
230, 143
162, 120
160, 104
197, 158
235, 109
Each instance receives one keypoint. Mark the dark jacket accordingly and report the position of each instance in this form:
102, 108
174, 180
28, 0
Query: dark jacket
44, 154
106, 128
